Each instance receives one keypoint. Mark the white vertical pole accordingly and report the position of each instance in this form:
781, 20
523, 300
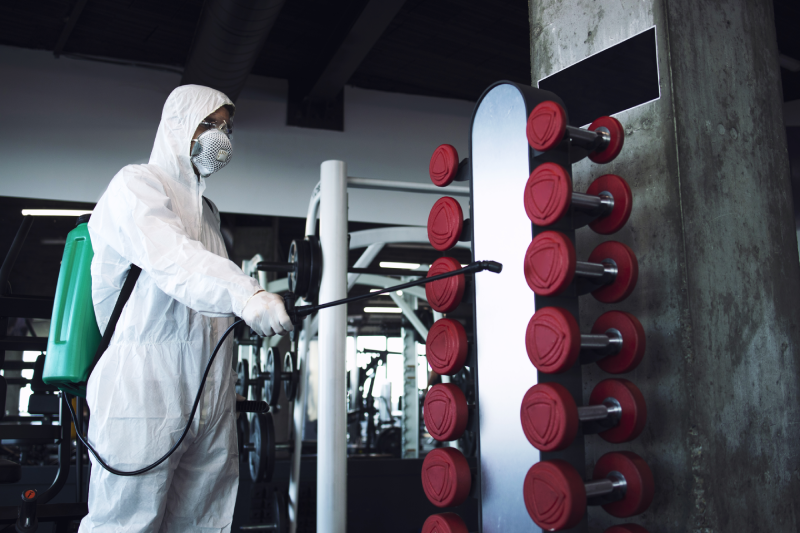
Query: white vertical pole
332, 421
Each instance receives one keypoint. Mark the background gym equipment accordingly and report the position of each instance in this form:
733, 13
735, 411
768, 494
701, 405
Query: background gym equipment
556, 497
280, 371
610, 274
554, 341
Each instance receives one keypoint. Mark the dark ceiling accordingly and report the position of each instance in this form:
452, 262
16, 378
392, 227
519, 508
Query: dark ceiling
447, 48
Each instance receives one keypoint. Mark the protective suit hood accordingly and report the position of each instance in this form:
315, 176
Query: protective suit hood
184, 109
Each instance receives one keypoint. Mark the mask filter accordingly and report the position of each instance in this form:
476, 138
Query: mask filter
211, 151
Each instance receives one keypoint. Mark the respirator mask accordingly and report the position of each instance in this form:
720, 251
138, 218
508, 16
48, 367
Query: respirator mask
212, 149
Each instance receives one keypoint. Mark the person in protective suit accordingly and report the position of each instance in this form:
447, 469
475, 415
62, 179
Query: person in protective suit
141, 391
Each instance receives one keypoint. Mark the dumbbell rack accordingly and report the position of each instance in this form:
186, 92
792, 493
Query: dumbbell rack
501, 161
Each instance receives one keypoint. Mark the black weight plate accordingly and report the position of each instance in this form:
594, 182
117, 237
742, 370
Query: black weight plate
272, 386
299, 253
290, 380
243, 378
242, 432
280, 512
292, 277
261, 458
256, 387
315, 267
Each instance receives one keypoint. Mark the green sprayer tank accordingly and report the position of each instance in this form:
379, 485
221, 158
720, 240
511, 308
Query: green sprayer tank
74, 335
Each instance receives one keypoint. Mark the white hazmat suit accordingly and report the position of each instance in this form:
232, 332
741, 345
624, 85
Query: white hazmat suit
141, 392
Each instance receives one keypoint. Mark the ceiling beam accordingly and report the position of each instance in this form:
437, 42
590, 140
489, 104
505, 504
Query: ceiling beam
77, 9
369, 27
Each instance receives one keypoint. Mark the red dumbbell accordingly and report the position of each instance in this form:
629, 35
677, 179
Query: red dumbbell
550, 266
556, 497
606, 206
547, 127
445, 295
446, 477
550, 419
446, 224
554, 342
446, 347
445, 168
452, 523
446, 412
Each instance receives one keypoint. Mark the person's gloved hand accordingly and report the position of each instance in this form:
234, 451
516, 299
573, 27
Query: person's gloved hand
266, 314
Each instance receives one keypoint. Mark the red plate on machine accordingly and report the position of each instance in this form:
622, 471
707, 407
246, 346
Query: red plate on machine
638, 479
445, 412
553, 340
634, 409
554, 495
548, 194
550, 263
445, 223
444, 523
623, 203
627, 271
446, 477
444, 165
549, 417
446, 346
445, 295
546, 126
633, 341
617, 134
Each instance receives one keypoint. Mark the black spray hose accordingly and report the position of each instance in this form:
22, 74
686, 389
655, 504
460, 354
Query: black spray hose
295, 314
105, 465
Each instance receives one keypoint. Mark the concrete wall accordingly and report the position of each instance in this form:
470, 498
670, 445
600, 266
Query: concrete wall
713, 229
69, 125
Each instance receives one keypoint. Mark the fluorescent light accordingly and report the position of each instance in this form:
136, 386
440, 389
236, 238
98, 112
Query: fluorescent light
399, 293
54, 212
390, 264
393, 310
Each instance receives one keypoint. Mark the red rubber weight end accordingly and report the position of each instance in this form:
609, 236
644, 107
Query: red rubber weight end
550, 263
446, 478
553, 340
633, 341
446, 412
554, 495
626, 528
548, 194
623, 203
444, 165
445, 223
634, 409
617, 133
445, 295
446, 346
627, 271
638, 479
444, 523
546, 126
549, 417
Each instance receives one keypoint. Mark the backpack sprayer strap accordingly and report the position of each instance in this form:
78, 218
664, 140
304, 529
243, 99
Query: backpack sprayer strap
124, 294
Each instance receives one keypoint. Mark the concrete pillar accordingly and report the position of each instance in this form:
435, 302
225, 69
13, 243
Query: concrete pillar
719, 284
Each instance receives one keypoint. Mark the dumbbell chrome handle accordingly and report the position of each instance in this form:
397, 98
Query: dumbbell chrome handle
600, 417
597, 346
593, 205
589, 140
597, 273
259, 527
602, 491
